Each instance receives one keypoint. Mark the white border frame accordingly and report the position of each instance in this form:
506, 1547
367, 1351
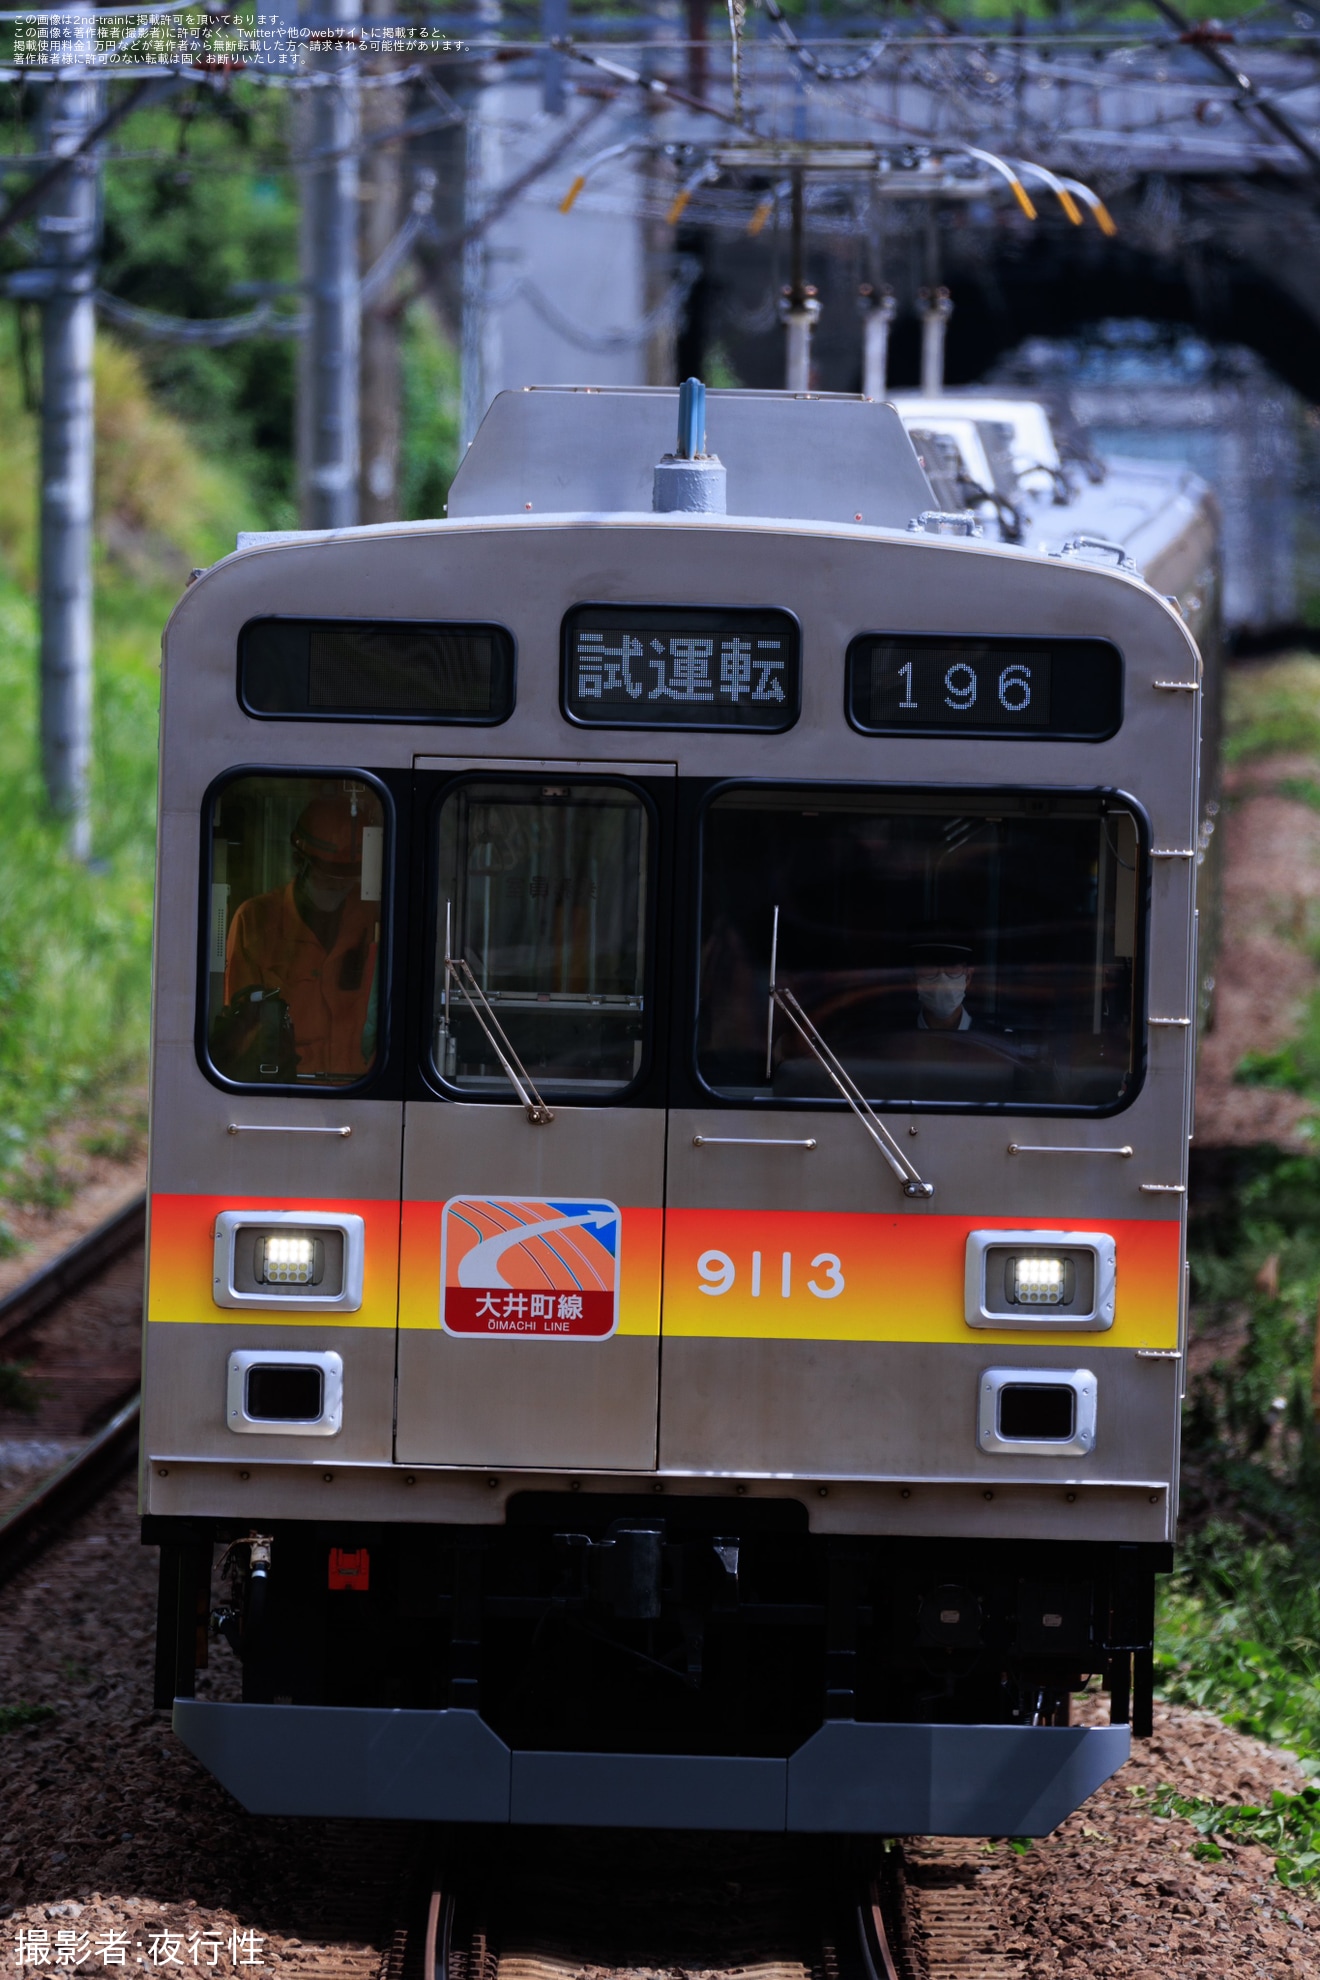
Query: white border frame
1042, 1319
1083, 1385
327, 1424
348, 1300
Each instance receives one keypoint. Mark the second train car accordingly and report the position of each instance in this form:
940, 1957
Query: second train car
672, 1075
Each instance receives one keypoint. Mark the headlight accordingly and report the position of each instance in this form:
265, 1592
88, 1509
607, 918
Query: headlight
1041, 1280
311, 1260
291, 1258
1036, 1280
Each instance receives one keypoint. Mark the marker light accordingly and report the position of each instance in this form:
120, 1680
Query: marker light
289, 1260
1040, 1281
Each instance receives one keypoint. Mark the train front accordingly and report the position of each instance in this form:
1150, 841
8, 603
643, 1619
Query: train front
672, 1078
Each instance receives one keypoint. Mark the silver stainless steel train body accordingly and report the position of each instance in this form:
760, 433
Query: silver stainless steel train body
672, 1080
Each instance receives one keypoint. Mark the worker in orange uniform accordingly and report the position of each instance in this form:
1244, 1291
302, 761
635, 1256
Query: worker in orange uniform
312, 944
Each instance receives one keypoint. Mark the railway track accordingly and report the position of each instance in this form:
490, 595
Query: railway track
714, 1909
71, 1332
601, 1905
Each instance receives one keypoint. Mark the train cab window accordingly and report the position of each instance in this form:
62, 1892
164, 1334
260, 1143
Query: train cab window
542, 910
293, 963
978, 954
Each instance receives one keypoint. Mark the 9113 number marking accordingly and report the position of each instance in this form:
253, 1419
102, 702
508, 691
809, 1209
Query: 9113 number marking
719, 1274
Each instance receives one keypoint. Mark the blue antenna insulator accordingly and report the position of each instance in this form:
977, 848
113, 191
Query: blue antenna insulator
691, 420
689, 479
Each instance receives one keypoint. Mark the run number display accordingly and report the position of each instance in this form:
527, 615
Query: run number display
680, 667
927, 685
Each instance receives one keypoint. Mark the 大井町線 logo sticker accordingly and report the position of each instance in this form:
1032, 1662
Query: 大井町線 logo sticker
547, 1268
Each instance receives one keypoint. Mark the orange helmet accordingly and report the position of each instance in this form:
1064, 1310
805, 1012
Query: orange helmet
328, 834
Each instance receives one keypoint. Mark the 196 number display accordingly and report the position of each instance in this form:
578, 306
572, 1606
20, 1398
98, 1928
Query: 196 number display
984, 687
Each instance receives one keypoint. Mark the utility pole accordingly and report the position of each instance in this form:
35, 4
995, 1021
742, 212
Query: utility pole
698, 48
554, 26
328, 445
67, 233
382, 380
480, 347
658, 238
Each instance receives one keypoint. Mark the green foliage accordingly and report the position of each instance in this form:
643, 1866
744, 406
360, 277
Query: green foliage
1239, 1635
1289, 1827
431, 405
116, 1139
1302, 790
14, 1717
1273, 709
1254, 1250
720, 373
1294, 1067
1239, 1628
194, 231
75, 941
17, 1390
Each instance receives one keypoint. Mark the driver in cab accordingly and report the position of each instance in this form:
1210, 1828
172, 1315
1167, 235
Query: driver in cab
942, 975
311, 947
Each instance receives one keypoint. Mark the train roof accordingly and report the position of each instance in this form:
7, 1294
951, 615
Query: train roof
808, 457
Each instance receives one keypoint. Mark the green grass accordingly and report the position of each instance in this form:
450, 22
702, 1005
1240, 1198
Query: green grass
18, 1392
1289, 1826
1239, 1636
1239, 1625
75, 939
1273, 709
1302, 790
14, 1717
1294, 1066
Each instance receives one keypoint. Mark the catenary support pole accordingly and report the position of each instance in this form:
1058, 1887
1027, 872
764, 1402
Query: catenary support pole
67, 231
328, 395
936, 307
878, 309
799, 307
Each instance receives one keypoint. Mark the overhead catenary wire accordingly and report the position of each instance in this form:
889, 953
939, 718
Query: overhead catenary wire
1167, 128
827, 71
1250, 97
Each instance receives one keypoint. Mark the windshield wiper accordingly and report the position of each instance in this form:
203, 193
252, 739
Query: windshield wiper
460, 975
783, 998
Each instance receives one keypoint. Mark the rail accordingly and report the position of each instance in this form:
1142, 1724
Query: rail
42, 1514
46, 1510
33, 1299
503, 1917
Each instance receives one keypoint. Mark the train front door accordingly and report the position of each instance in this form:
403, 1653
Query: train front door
533, 1169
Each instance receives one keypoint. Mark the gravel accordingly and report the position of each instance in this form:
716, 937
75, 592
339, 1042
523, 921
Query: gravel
109, 1825
103, 1809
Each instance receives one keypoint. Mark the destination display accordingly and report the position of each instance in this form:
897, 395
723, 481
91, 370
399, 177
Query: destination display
930, 685
381, 670
680, 667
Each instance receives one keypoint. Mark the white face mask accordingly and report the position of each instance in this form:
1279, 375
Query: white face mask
941, 995
325, 894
